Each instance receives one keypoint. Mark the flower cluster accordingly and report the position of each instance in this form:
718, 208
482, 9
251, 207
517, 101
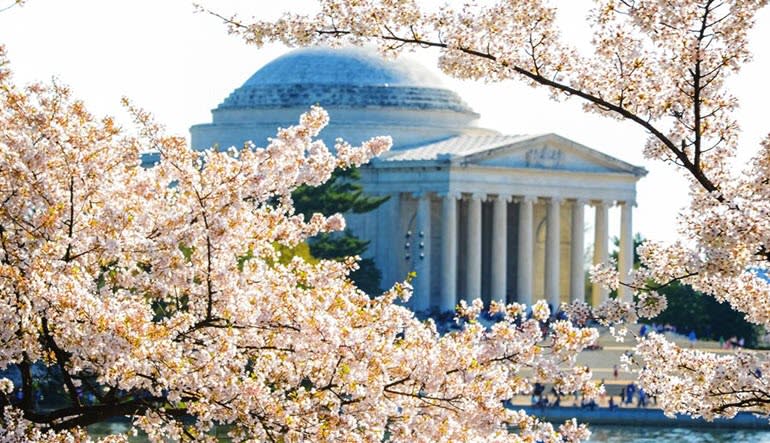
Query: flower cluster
606, 274
510, 311
614, 311
578, 312
650, 304
541, 311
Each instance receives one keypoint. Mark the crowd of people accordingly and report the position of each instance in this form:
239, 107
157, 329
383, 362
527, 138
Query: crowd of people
630, 396
657, 328
732, 343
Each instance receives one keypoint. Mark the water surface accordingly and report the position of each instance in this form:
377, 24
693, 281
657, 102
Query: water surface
648, 434
599, 434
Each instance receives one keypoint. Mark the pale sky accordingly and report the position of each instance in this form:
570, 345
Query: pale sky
180, 65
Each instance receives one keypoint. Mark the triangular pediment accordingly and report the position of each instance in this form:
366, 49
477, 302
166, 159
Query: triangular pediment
551, 151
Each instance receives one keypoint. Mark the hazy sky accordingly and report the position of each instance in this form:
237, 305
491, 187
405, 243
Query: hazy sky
180, 65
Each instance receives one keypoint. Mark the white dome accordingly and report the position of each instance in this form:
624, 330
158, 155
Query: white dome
365, 95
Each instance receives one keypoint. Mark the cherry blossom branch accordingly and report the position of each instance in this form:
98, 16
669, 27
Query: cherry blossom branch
61, 360
536, 77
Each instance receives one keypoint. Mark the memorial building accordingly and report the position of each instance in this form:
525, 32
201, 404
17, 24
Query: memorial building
472, 211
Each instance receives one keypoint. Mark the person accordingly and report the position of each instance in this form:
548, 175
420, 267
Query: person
691, 336
603, 394
537, 393
612, 404
630, 391
643, 331
615, 371
588, 404
642, 403
557, 396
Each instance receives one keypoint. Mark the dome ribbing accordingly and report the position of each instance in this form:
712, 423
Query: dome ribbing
345, 78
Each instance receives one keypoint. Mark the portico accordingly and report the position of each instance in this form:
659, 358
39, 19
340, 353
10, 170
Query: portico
505, 223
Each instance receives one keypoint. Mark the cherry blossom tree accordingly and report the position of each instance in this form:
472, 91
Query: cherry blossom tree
659, 64
161, 294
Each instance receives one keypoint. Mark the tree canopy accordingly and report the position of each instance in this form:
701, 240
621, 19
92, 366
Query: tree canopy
341, 194
165, 294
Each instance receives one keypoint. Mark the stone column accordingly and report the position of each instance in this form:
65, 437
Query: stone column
577, 288
473, 279
526, 244
390, 240
499, 247
626, 253
448, 299
422, 254
553, 254
600, 294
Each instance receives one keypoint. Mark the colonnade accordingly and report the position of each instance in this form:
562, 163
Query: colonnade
448, 295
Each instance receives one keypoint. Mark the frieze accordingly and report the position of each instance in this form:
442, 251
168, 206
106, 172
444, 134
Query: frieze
544, 157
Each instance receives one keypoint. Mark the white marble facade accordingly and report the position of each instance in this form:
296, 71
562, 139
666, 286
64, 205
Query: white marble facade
502, 221
474, 213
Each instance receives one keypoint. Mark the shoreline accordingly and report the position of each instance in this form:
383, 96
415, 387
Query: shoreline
641, 417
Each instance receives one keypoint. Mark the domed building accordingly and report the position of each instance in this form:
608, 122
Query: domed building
472, 211
365, 96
